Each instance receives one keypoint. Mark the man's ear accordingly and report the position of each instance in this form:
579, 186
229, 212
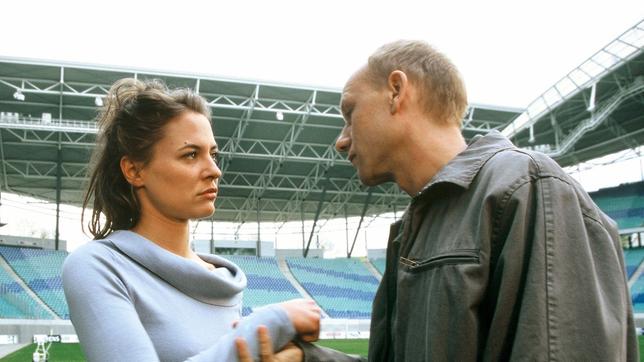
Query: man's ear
131, 171
398, 86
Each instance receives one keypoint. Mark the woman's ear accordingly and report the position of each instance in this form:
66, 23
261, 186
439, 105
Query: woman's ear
131, 171
397, 84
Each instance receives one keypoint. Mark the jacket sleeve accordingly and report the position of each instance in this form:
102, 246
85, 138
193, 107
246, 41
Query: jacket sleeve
109, 327
557, 288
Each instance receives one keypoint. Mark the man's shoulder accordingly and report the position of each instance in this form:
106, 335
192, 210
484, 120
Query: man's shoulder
517, 163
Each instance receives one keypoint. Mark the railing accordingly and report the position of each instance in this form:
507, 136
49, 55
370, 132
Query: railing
11, 119
619, 51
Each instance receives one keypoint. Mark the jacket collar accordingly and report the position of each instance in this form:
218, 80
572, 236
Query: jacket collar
223, 286
463, 168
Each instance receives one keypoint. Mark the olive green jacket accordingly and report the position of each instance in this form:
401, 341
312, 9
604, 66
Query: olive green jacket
502, 256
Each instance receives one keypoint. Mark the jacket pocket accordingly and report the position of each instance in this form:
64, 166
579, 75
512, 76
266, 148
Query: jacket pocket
464, 256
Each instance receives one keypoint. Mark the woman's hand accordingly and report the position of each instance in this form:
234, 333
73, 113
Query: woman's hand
305, 316
290, 353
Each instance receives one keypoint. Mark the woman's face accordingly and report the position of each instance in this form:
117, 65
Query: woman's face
180, 182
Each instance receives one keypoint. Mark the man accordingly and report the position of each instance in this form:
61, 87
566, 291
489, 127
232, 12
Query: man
500, 254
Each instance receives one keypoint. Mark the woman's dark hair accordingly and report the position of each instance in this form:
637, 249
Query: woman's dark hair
130, 123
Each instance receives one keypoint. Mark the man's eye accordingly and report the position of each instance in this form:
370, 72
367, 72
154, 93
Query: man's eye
347, 116
215, 157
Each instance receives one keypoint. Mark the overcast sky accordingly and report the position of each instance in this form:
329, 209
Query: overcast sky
508, 51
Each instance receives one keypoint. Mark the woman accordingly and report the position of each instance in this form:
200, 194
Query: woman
138, 292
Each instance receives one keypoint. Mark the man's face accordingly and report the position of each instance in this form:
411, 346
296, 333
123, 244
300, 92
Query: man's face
367, 136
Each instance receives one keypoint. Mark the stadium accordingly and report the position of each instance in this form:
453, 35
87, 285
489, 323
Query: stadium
285, 192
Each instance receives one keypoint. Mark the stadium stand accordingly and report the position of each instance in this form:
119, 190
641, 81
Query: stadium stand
633, 258
15, 302
41, 271
344, 288
637, 294
379, 263
624, 204
266, 283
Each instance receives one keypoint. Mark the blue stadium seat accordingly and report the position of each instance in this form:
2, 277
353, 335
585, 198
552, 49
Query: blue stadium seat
344, 288
379, 263
41, 271
266, 283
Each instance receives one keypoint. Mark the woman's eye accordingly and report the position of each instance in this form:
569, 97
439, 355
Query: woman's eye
191, 155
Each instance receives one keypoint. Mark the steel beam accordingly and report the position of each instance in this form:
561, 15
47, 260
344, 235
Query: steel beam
315, 220
364, 211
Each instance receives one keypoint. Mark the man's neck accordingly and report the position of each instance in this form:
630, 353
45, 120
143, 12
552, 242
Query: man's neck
426, 153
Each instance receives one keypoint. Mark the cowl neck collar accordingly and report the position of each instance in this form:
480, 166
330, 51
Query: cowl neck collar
222, 286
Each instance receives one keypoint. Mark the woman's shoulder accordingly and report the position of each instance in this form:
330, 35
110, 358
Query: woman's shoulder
93, 248
95, 254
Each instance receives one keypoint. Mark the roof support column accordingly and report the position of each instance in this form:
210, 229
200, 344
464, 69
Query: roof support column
346, 226
259, 235
364, 211
303, 236
59, 159
315, 221
59, 172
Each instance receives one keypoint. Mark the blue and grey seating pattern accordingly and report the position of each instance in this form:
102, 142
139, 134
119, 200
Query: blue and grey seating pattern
344, 288
624, 204
637, 294
41, 271
633, 258
379, 263
15, 303
266, 283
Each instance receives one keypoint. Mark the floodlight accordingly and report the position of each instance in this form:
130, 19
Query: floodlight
19, 96
98, 101
279, 115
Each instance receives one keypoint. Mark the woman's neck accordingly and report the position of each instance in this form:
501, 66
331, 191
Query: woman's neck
168, 234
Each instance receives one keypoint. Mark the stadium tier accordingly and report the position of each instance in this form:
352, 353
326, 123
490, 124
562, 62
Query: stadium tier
344, 288
266, 283
637, 293
15, 302
633, 258
41, 271
624, 204
379, 263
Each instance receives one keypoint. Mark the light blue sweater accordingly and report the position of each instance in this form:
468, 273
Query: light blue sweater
131, 300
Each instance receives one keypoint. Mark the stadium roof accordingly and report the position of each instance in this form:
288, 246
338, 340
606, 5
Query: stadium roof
594, 110
277, 140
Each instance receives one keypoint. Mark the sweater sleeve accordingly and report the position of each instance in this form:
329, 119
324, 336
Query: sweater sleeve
108, 326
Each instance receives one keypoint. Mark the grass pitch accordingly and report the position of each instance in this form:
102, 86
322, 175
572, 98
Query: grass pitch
60, 352
72, 352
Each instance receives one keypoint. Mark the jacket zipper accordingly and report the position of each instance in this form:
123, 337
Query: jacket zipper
462, 257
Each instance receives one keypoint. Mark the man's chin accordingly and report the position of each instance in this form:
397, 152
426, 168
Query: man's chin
370, 180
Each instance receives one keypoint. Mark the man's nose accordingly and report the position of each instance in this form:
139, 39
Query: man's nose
343, 142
